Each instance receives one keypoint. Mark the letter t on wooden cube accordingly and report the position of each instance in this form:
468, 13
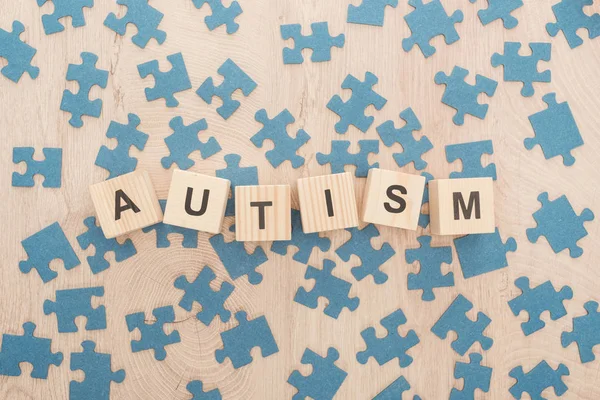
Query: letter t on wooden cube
263, 213
393, 199
126, 203
196, 201
461, 206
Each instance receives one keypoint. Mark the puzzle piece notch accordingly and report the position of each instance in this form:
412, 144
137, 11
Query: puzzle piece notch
424, 218
239, 341
237, 176
73, 303
184, 141
221, 15
166, 84
233, 79
50, 168
340, 157
541, 377
17, 53
62, 9
518, 68
326, 285
199, 290
482, 253
27, 348
190, 236
196, 388
586, 332
430, 274
320, 41
98, 373
117, 161
369, 12
393, 345
153, 334
275, 130
500, 9
304, 242
571, 17
475, 376
462, 96
352, 112
325, 379
470, 154
427, 21
467, 331
145, 18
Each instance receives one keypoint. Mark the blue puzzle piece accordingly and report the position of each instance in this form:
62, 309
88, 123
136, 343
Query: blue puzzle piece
153, 335
73, 303
184, 141
571, 17
463, 96
558, 223
275, 130
320, 41
371, 259
475, 376
196, 388
325, 379
352, 112
30, 349
482, 253
326, 285
145, 18
538, 300
369, 12
393, 345
17, 53
62, 9
221, 15
395, 390
117, 161
468, 332
424, 218
239, 341
48, 244
199, 291
555, 130
586, 332
237, 176
236, 260
537, 380
470, 154
190, 236
427, 21
412, 150
340, 157
88, 76
305, 242
233, 79
500, 9
166, 84
98, 374
50, 168
430, 274
518, 68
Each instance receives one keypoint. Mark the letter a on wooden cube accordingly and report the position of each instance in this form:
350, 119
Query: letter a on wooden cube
263, 213
393, 199
327, 202
196, 201
461, 206
126, 203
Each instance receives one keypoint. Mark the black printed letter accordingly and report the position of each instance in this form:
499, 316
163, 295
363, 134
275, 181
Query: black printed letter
329, 202
188, 202
459, 201
395, 197
261, 211
129, 205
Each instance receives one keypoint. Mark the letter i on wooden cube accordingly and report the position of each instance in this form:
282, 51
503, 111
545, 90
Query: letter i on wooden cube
126, 203
327, 202
263, 213
196, 201
461, 206
393, 199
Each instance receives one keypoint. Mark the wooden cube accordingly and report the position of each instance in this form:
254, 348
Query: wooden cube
196, 201
327, 202
263, 213
393, 199
461, 206
126, 203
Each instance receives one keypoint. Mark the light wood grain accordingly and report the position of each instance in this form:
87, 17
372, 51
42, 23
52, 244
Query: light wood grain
263, 213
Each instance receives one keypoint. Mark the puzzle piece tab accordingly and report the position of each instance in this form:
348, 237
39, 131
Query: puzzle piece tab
196, 388
237, 176
340, 157
145, 18
482, 253
221, 15
537, 380
320, 41
153, 334
499, 9
304, 242
430, 262
50, 168
98, 374
184, 141
369, 12
17, 53
470, 154
62, 9
518, 68
190, 236
325, 379
166, 84
475, 376
586, 332
73, 303
571, 17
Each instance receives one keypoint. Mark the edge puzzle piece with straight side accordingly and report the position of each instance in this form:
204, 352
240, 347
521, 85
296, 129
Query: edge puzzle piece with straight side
586, 332
500, 9
196, 389
153, 334
325, 379
470, 154
190, 236
571, 17
430, 262
17, 53
221, 15
340, 157
482, 253
320, 42
237, 176
166, 84
50, 168
369, 12
541, 377
304, 242
474, 375
518, 68
62, 9
184, 141
73, 303
145, 18
98, 374
395, 390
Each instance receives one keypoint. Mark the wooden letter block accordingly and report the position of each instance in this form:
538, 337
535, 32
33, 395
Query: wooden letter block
461, 206
393, 199
327, 202
196, 201
263, 213
126, 203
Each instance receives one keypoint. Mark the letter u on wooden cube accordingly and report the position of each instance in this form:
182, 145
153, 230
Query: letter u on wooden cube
461, 206
196, 201
126, 203
263, 213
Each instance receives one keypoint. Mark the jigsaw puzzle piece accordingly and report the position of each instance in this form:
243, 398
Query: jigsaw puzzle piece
190, 236
537, 380
237, 176
17, 53
305, 242
62, 9
571, 17
424, 218
320, 42
470, 154
50, 168
196, 388
153, 335
395, 390
98, 374
474, 375
482, 253
340, 157
586, 332
73, 303
369, 12
184, 141
325, 379
518, 68
145, 18
500, 9
221, 15
430, 261
166, 84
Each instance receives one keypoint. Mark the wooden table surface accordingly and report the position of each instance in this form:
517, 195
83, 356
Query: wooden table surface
30, 116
